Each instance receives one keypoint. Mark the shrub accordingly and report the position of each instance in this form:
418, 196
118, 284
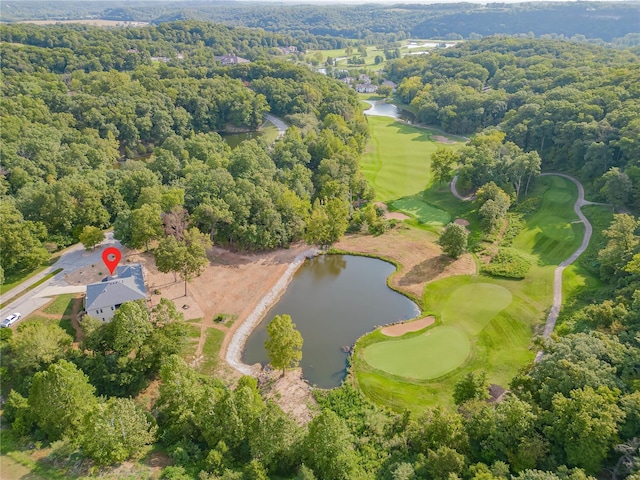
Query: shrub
509, 264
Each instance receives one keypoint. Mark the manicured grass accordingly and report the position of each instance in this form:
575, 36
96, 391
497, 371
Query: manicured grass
498, 315
397, 159
430, 355
15, 279
62, 305
211, 348
425, 213
550, 233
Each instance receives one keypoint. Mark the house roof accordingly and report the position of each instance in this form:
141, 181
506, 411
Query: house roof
125, 286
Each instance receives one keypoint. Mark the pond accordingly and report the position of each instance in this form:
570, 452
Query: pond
333, 300
268, 132
380, 108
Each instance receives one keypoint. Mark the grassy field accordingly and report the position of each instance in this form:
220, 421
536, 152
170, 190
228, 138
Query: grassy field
397, 164
497, 316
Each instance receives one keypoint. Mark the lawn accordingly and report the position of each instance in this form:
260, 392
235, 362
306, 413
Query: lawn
62, 305
497, 316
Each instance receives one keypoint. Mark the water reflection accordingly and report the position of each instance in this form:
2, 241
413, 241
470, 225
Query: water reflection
380, 108
333, 300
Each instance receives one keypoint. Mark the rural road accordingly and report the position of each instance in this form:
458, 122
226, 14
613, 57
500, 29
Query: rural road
557, 274
73, 258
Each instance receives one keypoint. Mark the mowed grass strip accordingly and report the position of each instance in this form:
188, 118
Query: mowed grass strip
429, 355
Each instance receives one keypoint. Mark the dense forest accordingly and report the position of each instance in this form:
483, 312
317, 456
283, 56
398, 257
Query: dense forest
373, 22
92, 138
576, 105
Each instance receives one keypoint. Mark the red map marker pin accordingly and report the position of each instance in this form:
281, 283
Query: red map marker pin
111, 256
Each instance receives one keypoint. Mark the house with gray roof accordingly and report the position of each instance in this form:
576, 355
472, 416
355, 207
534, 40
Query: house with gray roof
103, 298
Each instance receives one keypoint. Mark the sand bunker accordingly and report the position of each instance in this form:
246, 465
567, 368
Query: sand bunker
402, 328
391, 215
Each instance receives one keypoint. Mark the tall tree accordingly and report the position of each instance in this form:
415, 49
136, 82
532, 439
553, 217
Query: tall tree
442, 162
195, 258
453, 240
146, 225
59, 398
115, 431
584, 426
90, 237
284, 343
328, 448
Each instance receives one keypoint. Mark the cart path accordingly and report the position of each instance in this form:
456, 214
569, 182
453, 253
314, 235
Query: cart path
557, 274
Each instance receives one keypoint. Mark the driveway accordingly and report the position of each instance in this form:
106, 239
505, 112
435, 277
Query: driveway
72, 258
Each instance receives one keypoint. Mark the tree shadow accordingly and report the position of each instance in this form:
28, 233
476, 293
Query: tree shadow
427, 270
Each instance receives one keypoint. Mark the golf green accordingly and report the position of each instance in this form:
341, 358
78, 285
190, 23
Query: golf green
424, 212
430, 355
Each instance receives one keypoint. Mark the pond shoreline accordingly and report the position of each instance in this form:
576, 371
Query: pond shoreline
233, 355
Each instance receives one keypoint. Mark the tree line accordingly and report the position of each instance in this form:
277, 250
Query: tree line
138, 150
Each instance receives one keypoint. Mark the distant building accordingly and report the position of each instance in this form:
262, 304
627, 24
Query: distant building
389, 83
366, 88
291, 49
365, 78
348, 80
231, 60
104, 298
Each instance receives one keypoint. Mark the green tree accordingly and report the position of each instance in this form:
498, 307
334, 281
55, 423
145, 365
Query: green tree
453, 240
328, 449
273, 439
21, 240
37, 344
284, 343
195, 259
442, 162
170, 255
617, 187
90, 237
584, 426
620, 247
146, 225
59, 398
115, 431
471, 387
129, 328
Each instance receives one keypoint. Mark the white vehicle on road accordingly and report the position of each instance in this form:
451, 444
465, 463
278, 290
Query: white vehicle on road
10, 320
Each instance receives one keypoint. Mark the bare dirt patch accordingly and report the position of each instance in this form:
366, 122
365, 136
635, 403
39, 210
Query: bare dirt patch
391, 215
420, 259
442, 139
291, 392
401, 328
232, 284
461, 221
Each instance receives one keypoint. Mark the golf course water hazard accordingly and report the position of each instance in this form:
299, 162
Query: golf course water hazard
333, 300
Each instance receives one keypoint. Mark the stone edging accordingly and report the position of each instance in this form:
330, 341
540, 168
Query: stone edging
233, 355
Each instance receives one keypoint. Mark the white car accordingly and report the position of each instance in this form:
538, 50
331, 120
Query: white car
10, 320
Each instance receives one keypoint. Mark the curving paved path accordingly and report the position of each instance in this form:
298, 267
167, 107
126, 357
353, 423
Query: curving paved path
282, 127
557, 274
